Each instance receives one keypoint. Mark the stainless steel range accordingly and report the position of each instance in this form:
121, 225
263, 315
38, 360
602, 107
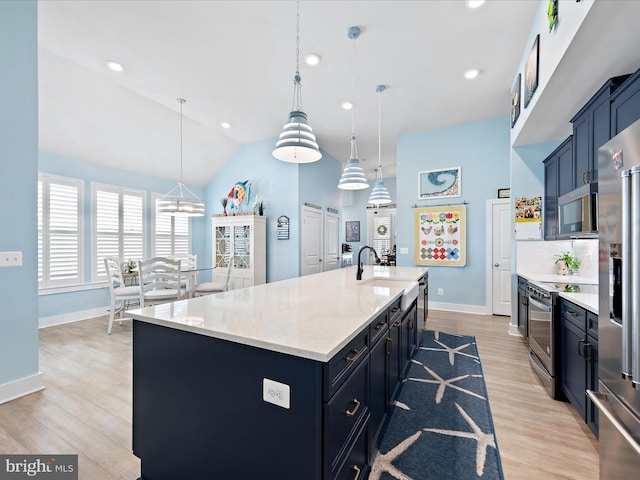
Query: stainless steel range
542, 299
542, 329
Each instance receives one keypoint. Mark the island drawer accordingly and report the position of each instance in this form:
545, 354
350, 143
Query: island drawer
355, 466
378, 327
338, 369
344, 416
592, 324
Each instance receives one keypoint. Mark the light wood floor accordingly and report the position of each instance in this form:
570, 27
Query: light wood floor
86, 407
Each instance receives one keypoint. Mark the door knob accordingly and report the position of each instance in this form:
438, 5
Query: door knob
496, 264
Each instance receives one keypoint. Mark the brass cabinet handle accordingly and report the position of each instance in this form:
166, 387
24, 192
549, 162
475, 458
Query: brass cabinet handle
380, 326
410, 326
355, 467
353, 356
351, 413
389, 345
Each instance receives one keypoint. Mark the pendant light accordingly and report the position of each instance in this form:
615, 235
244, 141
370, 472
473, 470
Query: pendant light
353, 177
177, 205
379, 194
297, 143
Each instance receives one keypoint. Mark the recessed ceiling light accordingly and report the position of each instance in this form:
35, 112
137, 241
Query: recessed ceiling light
225, 124
347, 105
474, 3
312, 59
115, 66
469, 74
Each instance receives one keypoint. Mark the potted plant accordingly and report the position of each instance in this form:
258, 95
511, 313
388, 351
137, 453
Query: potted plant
566, 263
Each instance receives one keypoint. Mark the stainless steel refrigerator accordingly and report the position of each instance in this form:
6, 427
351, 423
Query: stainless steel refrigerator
618, 398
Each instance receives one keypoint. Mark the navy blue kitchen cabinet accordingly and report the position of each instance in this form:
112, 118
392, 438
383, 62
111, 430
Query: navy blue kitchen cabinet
591, 129
558, 180
625, 104
523, 308
198, 403
579, 359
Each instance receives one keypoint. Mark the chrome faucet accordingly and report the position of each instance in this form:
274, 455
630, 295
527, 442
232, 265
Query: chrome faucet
359, 272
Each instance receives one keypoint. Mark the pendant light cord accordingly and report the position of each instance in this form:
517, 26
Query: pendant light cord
297, 90
354, 148
379, 175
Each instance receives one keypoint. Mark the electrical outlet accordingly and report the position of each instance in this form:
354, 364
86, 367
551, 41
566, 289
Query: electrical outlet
10, 259
441, 291
276, 393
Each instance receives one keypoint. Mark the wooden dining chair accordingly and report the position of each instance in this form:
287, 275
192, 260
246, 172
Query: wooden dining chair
119, 291
160, 281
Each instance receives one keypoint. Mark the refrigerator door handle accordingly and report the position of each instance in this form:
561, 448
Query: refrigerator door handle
627, 250
635, 276
599, 399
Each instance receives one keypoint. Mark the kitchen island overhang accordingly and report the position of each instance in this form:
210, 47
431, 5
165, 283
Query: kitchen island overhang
200, 367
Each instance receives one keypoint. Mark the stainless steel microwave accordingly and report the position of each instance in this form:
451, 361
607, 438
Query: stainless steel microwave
578, 212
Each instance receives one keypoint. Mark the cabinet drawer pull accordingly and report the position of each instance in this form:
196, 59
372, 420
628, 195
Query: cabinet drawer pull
410, 326
381, 325
573, 314
351, 413
389, 345
353, 356
396, 324
355, 467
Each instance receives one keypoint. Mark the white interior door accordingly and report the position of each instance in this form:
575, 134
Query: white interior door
331, 241
311, 241
501, 258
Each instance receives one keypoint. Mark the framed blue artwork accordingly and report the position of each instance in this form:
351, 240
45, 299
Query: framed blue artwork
441, 183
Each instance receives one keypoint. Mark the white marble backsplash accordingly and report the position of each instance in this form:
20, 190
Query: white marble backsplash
540, 257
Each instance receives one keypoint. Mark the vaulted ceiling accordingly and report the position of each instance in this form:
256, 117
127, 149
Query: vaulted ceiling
234, 61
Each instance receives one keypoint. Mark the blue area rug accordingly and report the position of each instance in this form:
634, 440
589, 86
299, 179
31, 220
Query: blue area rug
441, 425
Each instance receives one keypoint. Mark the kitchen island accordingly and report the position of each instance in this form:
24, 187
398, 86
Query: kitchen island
290, 379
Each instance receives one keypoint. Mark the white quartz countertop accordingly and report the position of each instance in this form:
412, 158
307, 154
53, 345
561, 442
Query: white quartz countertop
311, 317
585, 300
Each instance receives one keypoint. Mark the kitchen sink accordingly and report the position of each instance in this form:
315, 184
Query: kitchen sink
409, 294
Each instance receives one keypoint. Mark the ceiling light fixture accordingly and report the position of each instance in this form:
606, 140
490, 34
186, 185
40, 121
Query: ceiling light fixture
115, 66
470, 74
379, 194
474, 3
176, 205
312, 59
347, 105
225, 124
353, 177
297, 143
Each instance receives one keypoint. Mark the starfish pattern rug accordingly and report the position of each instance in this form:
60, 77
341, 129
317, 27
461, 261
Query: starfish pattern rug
440, 426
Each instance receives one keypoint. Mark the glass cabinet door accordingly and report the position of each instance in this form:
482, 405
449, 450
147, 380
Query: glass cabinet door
223, 245
242, 246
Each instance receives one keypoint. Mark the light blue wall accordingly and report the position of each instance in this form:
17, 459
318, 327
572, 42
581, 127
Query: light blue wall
283, 187
19, 160
482, 149
527, 169
61, 303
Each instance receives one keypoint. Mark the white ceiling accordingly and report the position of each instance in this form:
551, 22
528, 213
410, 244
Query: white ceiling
234, 61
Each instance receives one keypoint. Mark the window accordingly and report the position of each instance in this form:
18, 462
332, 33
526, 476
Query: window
171, 234
381, 229
60, 229
118, 225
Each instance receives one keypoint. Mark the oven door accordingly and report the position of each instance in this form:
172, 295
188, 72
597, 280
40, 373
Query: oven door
541, 332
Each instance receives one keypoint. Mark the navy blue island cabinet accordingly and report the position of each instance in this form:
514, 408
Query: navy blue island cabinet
199, 412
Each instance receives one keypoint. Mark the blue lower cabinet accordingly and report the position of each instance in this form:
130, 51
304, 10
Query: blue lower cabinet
574, 366
592, 384
200, 408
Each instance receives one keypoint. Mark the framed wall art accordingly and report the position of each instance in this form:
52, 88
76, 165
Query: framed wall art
442, 183
531, 71
353, 231
440, 236
515, 100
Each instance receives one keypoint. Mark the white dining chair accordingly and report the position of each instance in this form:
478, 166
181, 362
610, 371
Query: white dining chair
119, 291
208, 288
159, 281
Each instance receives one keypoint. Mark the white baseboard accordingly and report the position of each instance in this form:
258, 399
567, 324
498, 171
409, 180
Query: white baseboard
71, 317
21, 387
513, 330
454, 307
